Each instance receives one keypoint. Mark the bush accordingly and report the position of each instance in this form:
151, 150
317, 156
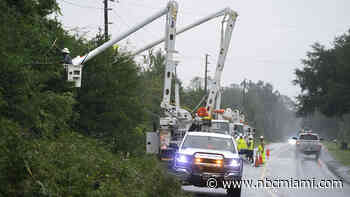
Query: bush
75, 165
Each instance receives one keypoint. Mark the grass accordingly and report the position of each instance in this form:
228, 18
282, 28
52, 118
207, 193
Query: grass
343, 156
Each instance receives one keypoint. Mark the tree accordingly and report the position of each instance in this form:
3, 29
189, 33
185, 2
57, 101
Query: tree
324, 79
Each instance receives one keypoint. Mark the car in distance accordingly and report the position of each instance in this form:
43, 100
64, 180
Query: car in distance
308, 144
205, 155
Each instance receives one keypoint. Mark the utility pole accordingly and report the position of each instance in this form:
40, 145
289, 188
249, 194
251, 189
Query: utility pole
243, 95
106, 18
206, 74
106, 9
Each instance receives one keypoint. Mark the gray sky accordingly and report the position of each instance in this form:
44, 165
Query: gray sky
269, 39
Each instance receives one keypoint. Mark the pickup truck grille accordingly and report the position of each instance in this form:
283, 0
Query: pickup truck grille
207, 169
208, 166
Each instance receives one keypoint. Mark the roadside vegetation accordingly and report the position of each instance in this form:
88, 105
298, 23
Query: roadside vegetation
343, 156
57, 140
325, 84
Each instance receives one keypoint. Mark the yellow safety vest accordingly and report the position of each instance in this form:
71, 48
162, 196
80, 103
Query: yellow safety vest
244, 144
251, 145
261, 149
241, 144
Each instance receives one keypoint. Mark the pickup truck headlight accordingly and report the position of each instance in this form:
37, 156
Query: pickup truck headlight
235, 163
182, 158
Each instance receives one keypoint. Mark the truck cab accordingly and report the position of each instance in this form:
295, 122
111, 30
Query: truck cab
203, 156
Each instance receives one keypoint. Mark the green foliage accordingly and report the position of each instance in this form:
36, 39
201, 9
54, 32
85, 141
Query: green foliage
108, 101
343, 156
151, 89
42, 154
74, 165
324, 79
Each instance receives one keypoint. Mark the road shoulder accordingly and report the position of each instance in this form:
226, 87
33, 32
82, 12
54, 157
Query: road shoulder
334, 165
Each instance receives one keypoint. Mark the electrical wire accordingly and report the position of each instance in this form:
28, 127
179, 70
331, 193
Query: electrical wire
81, 6
125, 23
144, 29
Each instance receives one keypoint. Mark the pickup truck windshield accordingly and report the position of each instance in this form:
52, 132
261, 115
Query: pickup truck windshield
308, 137
206, 142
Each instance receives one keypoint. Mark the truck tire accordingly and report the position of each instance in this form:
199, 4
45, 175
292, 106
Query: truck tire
234, 192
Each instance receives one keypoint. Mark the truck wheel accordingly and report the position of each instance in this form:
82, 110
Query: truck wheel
234, 192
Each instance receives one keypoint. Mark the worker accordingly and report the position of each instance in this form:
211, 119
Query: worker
250, 151
261, 149
66, 57
242, 145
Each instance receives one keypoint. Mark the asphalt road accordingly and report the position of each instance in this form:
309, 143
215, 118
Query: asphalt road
283, 164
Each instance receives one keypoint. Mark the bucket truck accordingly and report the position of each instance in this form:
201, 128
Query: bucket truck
177, 121
218, 123
74, 70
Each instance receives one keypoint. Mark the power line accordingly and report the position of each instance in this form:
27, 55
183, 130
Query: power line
124, 22
158, 8
81, 6
144, 29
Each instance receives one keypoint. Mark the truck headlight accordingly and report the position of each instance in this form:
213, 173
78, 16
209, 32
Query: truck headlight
235, 163
181, 158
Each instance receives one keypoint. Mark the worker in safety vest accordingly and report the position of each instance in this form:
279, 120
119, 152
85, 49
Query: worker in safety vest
261, 148
250, 151
242, 145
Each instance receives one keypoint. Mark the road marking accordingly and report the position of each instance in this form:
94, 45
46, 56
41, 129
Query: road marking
263, 174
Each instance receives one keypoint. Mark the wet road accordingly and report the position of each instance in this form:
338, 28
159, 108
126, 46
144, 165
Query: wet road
283, 164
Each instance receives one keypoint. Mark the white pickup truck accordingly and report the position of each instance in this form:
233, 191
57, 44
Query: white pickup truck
308, 144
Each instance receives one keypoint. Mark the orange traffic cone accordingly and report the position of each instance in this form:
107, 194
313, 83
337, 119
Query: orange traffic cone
256, 164
268, 153
260, 160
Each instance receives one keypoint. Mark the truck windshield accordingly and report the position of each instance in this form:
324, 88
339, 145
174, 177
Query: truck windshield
207, 142
220, 127
308, 137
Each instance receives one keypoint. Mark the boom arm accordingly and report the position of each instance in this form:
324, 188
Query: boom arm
226, 34
170, 34
171, 7
229, 20
188, 27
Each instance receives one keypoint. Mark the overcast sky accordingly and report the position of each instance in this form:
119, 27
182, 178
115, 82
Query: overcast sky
269, 39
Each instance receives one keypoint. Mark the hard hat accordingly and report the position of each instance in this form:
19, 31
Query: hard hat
250, 136
65, 50
261, 137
